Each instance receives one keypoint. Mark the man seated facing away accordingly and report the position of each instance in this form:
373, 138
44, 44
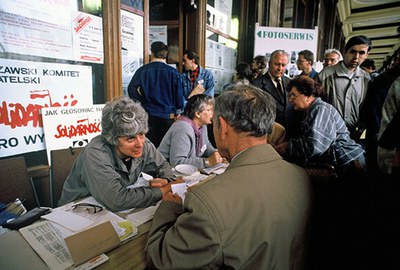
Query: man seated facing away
186, 142
114, 160
253, 216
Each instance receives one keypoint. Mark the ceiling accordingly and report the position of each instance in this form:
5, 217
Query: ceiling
377, 19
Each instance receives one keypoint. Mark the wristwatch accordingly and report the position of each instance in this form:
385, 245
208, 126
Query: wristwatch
207, 162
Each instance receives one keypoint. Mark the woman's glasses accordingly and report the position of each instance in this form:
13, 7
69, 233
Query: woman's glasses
90, 208
293, 96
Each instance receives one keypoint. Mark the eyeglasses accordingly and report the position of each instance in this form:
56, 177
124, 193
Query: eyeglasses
90, 208
293, 95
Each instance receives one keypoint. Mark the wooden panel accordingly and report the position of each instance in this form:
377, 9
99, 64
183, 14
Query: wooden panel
196, 30
112, 48
146, 21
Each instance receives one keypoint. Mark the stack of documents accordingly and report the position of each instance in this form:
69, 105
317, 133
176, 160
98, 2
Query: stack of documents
70, 237
216, 169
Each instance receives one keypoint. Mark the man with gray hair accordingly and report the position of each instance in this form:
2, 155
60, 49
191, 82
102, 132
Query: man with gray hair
274, 82
109, 167
253, 216
332, 57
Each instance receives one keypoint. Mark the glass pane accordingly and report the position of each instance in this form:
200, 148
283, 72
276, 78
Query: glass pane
136, 4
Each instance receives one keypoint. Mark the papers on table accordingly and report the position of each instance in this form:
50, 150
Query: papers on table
216, 169
140, 217
49, 244
60, 236
69, 221
194, 179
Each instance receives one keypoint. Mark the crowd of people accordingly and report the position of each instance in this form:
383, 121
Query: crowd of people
264, 211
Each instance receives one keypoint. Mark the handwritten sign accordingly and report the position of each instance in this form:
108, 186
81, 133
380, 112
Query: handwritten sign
25, 88
70, 126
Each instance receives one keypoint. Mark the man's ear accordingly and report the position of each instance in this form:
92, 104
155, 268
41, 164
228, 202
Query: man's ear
223, 126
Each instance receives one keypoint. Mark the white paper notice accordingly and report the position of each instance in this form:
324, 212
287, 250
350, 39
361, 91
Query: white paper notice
48, 244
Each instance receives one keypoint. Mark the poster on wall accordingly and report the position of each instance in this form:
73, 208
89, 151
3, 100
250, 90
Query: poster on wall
158, 33
221, 61
224, 6
292, 40
132, 46
38, 28
87, 37
218, 20
25, 88
70, 126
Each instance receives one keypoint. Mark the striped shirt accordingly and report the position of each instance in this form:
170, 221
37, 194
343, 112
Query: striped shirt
323, 129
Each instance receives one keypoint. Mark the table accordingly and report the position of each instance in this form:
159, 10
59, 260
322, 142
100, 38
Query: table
15, 252
129, 255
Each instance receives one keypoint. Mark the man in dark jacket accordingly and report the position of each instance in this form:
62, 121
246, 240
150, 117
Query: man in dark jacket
158, 87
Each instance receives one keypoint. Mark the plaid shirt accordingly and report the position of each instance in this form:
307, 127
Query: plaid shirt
324, 128
193, 76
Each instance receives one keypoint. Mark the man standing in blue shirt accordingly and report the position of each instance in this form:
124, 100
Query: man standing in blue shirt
158, 87
196, 80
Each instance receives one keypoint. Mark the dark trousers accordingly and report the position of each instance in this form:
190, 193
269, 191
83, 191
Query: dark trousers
157, 128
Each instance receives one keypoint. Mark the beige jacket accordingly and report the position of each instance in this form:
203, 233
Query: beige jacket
253, 216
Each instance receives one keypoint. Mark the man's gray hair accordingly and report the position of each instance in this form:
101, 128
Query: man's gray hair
247, 109
276, 52
123, 117
328, 51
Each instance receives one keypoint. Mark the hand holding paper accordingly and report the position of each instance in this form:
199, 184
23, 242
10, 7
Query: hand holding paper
158, 182
198, 89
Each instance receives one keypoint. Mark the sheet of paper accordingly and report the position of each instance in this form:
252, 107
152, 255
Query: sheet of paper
180, 189
48, 244
123, 229
69, 220
140, 217
216, 169
142, 181
194, 179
